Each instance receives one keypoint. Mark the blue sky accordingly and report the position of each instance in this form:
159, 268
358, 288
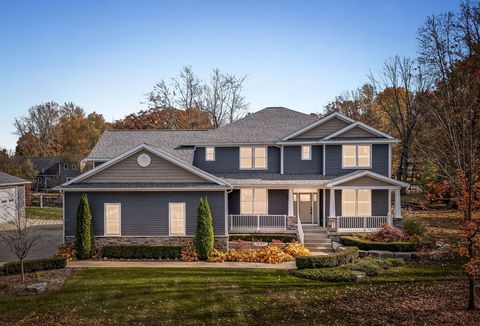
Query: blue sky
105, 55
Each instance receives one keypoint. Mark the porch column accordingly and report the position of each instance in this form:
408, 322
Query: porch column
290, 202
398, 207
332, 203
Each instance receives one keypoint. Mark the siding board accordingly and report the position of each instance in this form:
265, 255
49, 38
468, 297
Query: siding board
323, 130
333, 157
293, 163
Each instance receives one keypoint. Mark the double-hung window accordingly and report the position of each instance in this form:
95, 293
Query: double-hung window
209, 153
356, 202
306, 152
356, 156
253, 157
113, 218
176, 216
253, 201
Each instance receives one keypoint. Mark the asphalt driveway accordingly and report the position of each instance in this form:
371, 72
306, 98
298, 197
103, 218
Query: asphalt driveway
46, 247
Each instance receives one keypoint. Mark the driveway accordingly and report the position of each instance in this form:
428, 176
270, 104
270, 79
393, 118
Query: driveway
46, 247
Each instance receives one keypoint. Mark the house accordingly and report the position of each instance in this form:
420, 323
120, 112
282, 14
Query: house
52, 172
276, 170
12, 196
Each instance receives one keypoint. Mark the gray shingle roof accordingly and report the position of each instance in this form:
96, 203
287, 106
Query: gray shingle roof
7, 179
265, 126
259, 178
144, 185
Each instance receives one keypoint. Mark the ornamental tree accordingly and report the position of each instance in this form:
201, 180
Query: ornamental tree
204, 237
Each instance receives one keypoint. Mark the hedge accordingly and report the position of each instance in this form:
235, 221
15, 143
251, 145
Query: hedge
141, 252
327, 274
265, 237
363, 244
34, 265
350, 255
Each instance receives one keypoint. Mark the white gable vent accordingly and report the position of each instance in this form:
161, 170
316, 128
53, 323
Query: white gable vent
144, 160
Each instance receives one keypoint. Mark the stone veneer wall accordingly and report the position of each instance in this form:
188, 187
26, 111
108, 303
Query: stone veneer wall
221, 243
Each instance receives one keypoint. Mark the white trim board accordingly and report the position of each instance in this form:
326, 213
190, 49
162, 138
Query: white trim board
358, 174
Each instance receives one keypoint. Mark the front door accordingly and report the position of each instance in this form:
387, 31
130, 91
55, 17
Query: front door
305, 208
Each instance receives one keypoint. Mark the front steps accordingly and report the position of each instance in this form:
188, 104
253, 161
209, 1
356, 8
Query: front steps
316, 240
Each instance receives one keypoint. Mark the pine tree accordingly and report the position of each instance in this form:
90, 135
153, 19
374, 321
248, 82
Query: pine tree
204, 238
84, 232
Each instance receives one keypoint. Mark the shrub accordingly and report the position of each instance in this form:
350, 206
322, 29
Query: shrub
217, 256
34, 265
268, 254
387, 233
350, 255
265, 237
141, 252
3, 285
204, 238
67, 251
375, 266
296, 249
327, 274
390, 262
364, 244
84, 233
188, 254
413, 227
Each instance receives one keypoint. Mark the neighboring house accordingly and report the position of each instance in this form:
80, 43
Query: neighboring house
12, 196
52, 172
274, 170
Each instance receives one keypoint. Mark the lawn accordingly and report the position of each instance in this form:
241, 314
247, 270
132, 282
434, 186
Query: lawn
242, 297
45, 213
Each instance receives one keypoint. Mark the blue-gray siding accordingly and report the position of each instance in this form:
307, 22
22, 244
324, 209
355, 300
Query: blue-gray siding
333, 163
227, 160
277, 202
293, 163
145, 213
379, 202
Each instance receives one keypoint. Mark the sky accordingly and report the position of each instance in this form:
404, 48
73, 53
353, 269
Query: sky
105, 55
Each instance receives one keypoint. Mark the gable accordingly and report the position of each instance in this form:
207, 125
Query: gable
129, 171
357, 132
324, 129
366, 181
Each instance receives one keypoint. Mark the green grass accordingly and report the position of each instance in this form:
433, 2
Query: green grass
197, 296
46, 213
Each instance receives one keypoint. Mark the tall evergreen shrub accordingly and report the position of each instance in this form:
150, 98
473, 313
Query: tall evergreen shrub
204, 238
84, 238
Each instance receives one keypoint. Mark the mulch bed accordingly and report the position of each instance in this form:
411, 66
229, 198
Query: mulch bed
15, 287
442, 302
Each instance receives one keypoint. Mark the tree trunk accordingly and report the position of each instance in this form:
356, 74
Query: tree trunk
471, 278
22, 270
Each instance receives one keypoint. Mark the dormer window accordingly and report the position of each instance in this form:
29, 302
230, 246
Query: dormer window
306, 152
356, 156
253, 157
209, 153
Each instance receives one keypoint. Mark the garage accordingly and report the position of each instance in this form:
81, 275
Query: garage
12, 196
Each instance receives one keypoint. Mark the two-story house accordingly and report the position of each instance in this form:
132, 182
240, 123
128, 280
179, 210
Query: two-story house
51, 171
276, 170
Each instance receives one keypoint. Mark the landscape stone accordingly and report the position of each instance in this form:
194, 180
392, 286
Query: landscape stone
37, 287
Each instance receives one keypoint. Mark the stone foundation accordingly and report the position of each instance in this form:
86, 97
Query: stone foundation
398, 223
221, 243
291, 222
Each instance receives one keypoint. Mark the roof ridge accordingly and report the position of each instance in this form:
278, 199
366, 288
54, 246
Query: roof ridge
158, 129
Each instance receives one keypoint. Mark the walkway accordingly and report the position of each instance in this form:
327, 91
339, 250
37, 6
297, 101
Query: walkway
175, 264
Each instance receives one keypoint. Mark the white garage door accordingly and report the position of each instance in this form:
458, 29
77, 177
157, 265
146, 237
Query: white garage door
8, 209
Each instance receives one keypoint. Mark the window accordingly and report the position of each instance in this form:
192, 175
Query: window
113, 213
253, 157
253, 201
306, 152
356, 202
176, 213
356, 156
65, 166
74, 166
209, 153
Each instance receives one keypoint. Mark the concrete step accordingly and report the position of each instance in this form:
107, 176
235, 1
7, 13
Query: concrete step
316, 237
319, 248
318, 241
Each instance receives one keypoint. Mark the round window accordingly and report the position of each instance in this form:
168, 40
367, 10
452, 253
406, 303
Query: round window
144, 160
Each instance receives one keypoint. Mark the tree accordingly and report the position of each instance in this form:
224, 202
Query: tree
221, 97
16, 165
204, 237
20, 234
84, 235
450, 52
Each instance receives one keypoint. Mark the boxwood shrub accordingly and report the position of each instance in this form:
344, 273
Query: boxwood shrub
141, 251
350, 255
34, 265
264, 237
327, 274
364, 244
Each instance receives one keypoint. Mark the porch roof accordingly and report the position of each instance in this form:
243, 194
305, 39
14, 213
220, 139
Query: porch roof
274, 179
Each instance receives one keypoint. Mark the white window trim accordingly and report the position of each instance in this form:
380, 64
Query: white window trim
253, 201
184, 218
252, 150
105, 220
356, 158
356, 202
206, 155
309, 157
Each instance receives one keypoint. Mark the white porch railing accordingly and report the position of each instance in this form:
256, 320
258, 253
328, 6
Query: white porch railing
300, 234
257, 223
358, 223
